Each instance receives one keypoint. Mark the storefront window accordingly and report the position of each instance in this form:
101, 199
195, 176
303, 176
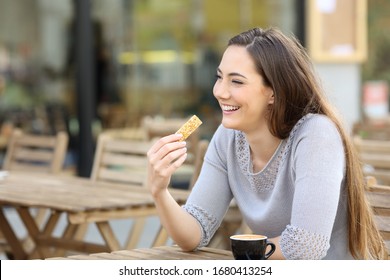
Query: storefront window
169, 50
153, 57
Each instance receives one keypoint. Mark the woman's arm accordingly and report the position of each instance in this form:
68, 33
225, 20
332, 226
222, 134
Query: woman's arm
181, 226
318, 165
165, 156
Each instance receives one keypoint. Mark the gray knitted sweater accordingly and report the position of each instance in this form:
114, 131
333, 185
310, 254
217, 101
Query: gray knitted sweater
299, 195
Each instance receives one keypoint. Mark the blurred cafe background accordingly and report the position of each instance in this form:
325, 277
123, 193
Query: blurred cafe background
85, 66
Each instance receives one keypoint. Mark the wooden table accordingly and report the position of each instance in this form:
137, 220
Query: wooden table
80, 199
157, 253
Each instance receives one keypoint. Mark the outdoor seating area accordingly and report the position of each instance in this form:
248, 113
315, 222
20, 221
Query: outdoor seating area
375, 158
118, 163
81, 200
39, 192
116, 191
43, 195
379, 199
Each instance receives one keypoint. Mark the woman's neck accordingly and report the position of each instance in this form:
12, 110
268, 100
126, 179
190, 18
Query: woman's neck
262, 147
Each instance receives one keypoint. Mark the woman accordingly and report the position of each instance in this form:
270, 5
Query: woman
281, 153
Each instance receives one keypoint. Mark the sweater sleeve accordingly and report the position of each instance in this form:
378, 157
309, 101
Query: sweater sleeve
318, 163
211, 195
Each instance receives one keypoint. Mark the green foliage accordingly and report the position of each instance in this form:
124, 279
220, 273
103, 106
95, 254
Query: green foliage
377, 66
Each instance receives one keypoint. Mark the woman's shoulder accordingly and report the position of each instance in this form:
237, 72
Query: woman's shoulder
315, 128
223, 139
315, 124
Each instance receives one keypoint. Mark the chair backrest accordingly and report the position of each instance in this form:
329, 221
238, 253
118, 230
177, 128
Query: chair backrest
120, 160
379, 199
32, 152
375, 158
199, 157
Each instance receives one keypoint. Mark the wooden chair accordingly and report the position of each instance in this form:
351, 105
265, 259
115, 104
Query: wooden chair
379, 199
35, 153
120, 160
375, 158
123, 160
374, 130
198, 162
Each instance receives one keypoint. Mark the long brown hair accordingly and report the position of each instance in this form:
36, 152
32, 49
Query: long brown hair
285, 67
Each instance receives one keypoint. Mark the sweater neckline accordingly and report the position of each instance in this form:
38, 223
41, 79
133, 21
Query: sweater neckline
264, 180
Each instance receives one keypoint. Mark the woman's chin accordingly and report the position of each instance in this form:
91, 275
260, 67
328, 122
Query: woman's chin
229, 124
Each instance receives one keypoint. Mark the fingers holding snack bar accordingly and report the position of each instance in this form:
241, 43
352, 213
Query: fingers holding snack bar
167, 155
164, 157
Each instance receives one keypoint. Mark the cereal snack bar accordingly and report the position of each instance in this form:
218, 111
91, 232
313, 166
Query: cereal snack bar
189, 127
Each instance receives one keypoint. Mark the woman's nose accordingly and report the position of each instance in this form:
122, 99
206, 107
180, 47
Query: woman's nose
220, 90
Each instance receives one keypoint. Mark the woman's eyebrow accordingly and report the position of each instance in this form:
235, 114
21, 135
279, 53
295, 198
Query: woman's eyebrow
232, 74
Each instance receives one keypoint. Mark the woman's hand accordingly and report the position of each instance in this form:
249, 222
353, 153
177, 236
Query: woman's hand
165, 156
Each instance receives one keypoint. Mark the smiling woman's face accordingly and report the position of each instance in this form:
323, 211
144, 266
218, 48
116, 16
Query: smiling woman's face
240, 91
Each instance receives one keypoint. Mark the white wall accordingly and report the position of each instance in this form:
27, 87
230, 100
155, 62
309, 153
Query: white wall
342, 83
54, 18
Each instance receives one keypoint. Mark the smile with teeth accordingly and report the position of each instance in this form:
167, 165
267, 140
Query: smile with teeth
229, 108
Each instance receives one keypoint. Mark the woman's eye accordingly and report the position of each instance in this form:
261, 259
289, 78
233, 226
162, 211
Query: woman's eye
217, 76
237, 82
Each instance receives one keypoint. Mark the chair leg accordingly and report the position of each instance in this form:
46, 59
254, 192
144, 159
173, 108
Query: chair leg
135, 233
81, 231
161, 237
108, 235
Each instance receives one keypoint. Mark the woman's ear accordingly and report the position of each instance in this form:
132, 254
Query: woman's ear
271, 98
